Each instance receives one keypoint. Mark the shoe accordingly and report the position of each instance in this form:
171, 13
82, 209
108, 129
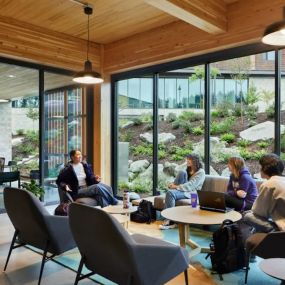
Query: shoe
167, 225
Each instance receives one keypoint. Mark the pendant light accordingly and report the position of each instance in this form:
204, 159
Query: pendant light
88, 76
275, 33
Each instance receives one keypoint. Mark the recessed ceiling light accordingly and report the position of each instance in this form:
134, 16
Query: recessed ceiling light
11, 76
4, 100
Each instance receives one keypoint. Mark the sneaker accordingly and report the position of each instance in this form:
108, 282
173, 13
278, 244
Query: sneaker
167, 225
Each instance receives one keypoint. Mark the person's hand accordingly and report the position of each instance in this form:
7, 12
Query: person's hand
67, 189
241, 194
98, 178
172, 186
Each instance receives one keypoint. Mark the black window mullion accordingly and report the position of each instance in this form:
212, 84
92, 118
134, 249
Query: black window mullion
155, 132
277, 148
207, 118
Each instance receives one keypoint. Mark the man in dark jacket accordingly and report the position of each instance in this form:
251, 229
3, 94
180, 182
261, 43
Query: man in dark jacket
78, 179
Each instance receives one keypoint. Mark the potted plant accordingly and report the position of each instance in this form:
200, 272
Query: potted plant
33, 187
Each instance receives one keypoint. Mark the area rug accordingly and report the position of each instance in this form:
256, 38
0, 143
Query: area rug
200, 268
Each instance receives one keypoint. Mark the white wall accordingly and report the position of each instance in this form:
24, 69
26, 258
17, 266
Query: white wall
5, 131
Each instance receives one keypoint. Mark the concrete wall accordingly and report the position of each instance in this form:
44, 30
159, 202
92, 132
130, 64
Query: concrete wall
5, 131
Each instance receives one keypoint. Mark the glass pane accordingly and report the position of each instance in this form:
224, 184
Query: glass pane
242, 121
64, 125
19, 116
181, 120
135, 135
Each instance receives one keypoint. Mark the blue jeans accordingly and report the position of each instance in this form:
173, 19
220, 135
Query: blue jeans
173, 195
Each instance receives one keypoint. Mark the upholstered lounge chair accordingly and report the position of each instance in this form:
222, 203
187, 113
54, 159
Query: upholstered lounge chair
108, 250
35, 226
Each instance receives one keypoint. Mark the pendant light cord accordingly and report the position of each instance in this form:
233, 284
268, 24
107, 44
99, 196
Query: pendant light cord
88, 38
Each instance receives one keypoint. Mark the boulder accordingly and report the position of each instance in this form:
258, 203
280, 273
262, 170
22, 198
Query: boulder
127, 125
139, 166
162, 138
262, 131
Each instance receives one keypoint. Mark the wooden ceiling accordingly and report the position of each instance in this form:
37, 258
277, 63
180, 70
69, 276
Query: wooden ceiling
112, 20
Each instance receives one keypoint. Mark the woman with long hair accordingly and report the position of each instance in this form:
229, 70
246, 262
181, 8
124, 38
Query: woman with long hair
186, 181
241, 190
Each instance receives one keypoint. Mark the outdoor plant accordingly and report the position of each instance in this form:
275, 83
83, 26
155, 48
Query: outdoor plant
144, 149
171, 117
263, 144
228, 137
245, 154
20, 132
243, 143
123, 185
34, 188
221, 127
197, 131
186, 126
126, 137
270, 111
258, 154
282, 143
137, 121
175, 125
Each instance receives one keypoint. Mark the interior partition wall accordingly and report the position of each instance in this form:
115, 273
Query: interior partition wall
217, 105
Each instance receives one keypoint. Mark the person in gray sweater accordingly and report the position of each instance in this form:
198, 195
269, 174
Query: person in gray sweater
268, 210
186, 181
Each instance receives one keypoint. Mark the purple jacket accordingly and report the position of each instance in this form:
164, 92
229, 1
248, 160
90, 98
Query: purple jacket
246, 183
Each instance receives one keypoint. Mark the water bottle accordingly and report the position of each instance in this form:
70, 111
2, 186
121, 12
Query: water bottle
126, 199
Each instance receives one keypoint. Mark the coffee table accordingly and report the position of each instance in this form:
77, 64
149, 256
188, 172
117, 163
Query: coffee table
118, 209
186, 215
273, 267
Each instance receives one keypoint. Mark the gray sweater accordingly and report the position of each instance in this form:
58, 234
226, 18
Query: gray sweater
271, 201
194, 184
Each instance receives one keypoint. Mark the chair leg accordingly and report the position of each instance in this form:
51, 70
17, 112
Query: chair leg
11, 248
43, 262
247, 267
79, 271
186, 276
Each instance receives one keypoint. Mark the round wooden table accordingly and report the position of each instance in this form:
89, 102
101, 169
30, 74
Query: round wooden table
274, 267
186, 215
122, 219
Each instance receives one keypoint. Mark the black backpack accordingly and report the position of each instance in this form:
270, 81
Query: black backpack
227, 249
145, 213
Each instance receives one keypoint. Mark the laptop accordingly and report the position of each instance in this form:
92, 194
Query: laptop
213, 201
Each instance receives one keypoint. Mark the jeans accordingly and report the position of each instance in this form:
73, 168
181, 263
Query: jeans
261, 224
173, 195
102, 193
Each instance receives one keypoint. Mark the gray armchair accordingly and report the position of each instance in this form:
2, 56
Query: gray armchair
265, 245
108, 250
35, 226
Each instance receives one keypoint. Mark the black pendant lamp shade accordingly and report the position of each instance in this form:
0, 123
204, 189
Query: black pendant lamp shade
88, 76
275, 33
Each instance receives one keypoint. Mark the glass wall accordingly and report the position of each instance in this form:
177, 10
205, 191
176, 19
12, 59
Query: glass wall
241, 123
180, 120
64, 126
135, 135
242, 112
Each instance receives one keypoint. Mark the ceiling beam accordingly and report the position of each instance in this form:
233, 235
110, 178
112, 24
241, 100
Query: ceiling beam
207, 15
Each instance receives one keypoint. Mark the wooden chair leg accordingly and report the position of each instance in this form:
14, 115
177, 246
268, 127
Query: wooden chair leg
186, 276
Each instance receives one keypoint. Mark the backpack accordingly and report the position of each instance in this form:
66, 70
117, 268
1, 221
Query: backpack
145, 213
227, 249
62, 209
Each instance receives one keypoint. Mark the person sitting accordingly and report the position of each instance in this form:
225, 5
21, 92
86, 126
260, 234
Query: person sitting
268, 210
241, 191
186, 181
78, 179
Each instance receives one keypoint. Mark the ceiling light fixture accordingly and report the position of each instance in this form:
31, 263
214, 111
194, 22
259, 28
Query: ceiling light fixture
88, 76
275, 34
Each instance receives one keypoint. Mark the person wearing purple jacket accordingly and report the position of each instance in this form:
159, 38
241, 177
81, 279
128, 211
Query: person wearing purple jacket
241, 190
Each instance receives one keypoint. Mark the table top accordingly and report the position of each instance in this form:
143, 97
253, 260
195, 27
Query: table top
121, 218
273, 267
118, 209
137, 201
189, 215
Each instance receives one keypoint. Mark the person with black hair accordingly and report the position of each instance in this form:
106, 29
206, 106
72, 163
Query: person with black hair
186, 181
268, 210
78, 179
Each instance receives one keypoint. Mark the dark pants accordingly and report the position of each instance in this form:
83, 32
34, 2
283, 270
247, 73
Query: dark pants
236, 203
102, 193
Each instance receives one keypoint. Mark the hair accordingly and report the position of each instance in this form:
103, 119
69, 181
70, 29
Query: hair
271, 164
237, 163
196, 163
73, 152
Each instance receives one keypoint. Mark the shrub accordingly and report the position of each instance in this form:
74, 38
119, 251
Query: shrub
270, 111
123, 185
171, 117
20, 132
258, 154
148, 126
188, 144
263, 144
223, 109
221, 127
198, 131
228, 137
126, 137
190, 116
251, 112
144, 149
245, 154
137, 121
162, 154
243, 142
214, 114
140, 186
177, 157
146, 118
224, 157
175, 125
186, 126
282, 143
32, 137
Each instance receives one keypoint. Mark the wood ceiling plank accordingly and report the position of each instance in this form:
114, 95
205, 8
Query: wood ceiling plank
207, 15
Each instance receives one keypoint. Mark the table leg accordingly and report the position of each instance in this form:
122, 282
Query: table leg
182, 234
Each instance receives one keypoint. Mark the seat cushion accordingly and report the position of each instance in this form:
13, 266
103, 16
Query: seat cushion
159, 202
87, 201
